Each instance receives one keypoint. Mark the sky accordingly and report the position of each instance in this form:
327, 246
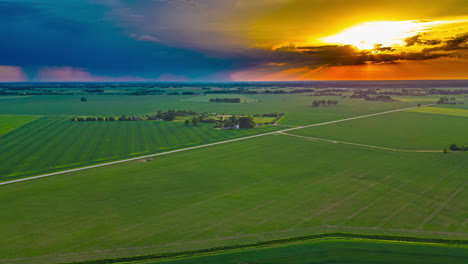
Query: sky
232, 40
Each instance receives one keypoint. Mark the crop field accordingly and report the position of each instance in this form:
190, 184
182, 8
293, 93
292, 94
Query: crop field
402, 130
10, 123
206, 98
440, 111
259, 189
337, 251
457, 106
297, 108
53, 142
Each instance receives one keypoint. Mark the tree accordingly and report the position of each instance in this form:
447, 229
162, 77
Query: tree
454, 147
187, 122
195, 120
246, 122
83, 99
445, 150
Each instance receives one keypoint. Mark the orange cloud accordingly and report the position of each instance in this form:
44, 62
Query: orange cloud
443, 68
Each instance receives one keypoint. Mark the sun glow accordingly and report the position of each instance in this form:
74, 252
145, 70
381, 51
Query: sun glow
388, 34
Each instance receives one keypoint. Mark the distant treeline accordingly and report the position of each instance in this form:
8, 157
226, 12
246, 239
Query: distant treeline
318, 103
446, 100
169, 115
225, 100
366, 95
455, 147
446, 92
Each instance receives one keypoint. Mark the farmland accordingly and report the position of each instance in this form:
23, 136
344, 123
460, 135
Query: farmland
338, 251
276, 186
297, 108
402, 130
441, 111
253, 190
10, 123
54, 142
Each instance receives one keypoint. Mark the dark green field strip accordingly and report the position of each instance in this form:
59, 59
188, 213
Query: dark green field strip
25, 149
10, 123
54, 142
37, 127
325, 248
253, 190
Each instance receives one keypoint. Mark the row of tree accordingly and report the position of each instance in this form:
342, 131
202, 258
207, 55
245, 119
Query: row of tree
228, 123
446, 100
380, 98
318, 103
168, 115
225, 100
455, 147
107, 118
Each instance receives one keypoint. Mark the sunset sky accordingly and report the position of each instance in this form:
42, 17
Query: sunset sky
232, 40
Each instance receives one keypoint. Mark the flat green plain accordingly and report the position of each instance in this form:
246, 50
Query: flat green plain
259, 189
441, 111
53, 142
338, 251
297, 108
10, 123
401, 130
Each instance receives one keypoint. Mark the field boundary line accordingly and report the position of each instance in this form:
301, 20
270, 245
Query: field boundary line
360, 145
202, 146
263, 244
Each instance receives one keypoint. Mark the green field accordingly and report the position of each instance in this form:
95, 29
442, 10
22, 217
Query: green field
401, 130
258, 189
338, 251
265, 188
10, 123
52, 142
441, 111
297, 108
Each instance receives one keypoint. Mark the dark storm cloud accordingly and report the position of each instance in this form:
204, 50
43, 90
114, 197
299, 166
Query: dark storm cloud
341, 55
74, 34
416, 40
336, 55
16, 10
457, 43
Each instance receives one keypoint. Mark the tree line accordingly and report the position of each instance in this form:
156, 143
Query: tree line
168, 115
446, 100
455, 147
318, 103
225, 100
